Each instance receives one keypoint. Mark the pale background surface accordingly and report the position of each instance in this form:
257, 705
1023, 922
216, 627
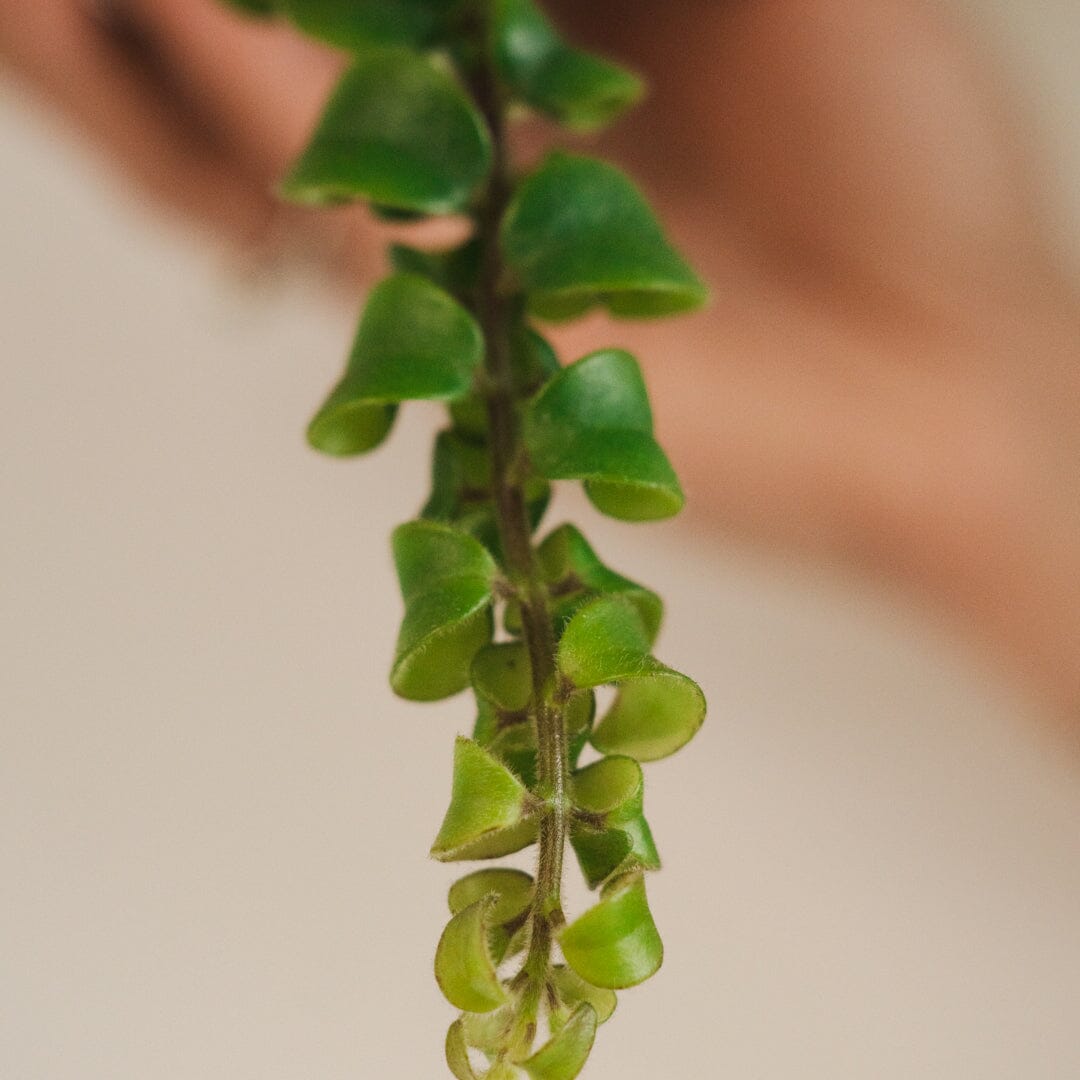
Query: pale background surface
211, 847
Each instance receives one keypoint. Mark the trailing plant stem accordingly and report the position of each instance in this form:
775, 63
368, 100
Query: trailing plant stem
498, 314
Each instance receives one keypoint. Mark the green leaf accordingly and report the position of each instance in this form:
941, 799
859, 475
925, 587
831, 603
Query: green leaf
564, 1055
576, 88
592, 422
657, 710
261, 8
415, 343
399, 132
575, 573
579, 233
360, 24
615, 944
488, 1032
464, 968
573, 989
612, 788
455, 269
513, 890
457, 1052
604, 856
446, 581
652, 717
490, 810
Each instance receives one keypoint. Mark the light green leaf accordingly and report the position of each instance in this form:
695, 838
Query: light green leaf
604, 856
361, 24
657, 710
573, 989
615, 944
579, 233
488, 1032
490, 810
652, 717
581, 90
612, 788
415, 342
398, 131
513, 890
464, 968
575, 573
457, 1052
564, 1055
592, 422
446, 581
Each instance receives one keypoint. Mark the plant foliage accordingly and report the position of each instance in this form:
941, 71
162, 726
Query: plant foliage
417, 127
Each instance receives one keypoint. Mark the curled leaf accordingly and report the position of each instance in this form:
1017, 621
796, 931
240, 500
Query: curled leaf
575, 573
573, 989
490, 809
398, 131
579, 234
581, 90
657, 710
361, 24
457, 1052
592, 422
415, 342
564, 1055
446, 581
464, 968
615, 944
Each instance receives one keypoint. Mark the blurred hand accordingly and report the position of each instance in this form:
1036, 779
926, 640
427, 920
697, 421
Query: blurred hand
889, 377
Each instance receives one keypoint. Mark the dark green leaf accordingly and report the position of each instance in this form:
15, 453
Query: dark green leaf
360, 24
261, 8
592, 422
575, 573
446, 581
399, 132
490, 809
581, 90
657, 710
578, 233
454, 269
615, 944
615, 852
564, 1055
415, 342
464, 968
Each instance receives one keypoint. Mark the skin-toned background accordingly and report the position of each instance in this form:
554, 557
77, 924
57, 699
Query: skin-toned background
213, 813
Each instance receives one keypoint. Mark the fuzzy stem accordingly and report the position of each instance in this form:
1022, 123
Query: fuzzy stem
497, 313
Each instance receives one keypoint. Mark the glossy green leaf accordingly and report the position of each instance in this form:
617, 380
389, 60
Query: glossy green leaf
657, 710
575, 573
361, 24
457, 1052
579, 233
612, 788
564, 1055
446, 581
573, 989
398, 131
615, 944
464, 968
415, 342
574, 87
592, 422
490, 809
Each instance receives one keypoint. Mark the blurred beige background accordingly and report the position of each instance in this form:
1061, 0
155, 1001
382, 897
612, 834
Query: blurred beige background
213, 813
